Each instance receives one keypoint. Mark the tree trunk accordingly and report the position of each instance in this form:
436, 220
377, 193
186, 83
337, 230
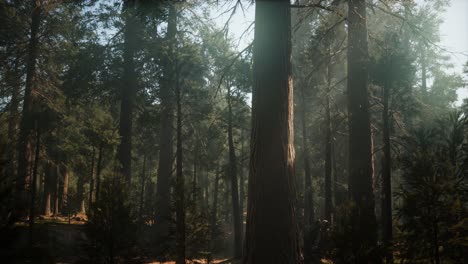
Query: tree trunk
163, 187
129, 90
98, 171
142, 191
271, 232
241, 181
436, 242
424, 71
194, 180
386, 176
328, 148
360, 146
226, 207
27, 119
47, 195
91, 182
309, 214
180, 195
56, 194
64, 207
15, 82
32, 204
214, 209
233, 176
81, 195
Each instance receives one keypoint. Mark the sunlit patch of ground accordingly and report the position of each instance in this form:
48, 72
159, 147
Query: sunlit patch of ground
78, 219
197, 261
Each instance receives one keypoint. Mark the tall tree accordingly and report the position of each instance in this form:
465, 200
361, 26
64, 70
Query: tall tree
271, 232
360, 145
236, 213
27, 118
180, 182
163, 187
328, 143
129, 89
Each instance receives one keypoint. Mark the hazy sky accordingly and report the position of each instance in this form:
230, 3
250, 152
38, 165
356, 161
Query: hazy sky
454, 32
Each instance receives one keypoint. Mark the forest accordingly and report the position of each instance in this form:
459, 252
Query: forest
232, 131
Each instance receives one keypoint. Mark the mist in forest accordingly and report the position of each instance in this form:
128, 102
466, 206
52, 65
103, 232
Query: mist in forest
234, 131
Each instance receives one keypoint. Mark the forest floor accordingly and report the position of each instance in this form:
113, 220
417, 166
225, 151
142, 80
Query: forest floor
56, 240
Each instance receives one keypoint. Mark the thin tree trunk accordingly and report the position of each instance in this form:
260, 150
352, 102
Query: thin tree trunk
81, 195
335, 176
27, 119
424, 71
360, 145
271, 232
387, 176
180, 195
129, 90
163, 214
32, 205
233, 176
328, 147
56, 190
47, 195
98, 170
309, 214
214, 209
241, 180
91, 182
194, 180
227, 211
15, 82
436, 242
65, 208
142, 191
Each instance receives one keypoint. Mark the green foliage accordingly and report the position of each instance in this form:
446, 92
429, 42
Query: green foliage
431, 193
112, 227
342, 248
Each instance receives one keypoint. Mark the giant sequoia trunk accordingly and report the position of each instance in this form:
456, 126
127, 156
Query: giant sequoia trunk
129, 89
233, 176
163, 187
386, 174
360, 145
271, 232
27, 120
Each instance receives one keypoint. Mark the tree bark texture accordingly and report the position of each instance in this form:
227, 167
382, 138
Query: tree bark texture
271, 232
360, 145
27, 119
